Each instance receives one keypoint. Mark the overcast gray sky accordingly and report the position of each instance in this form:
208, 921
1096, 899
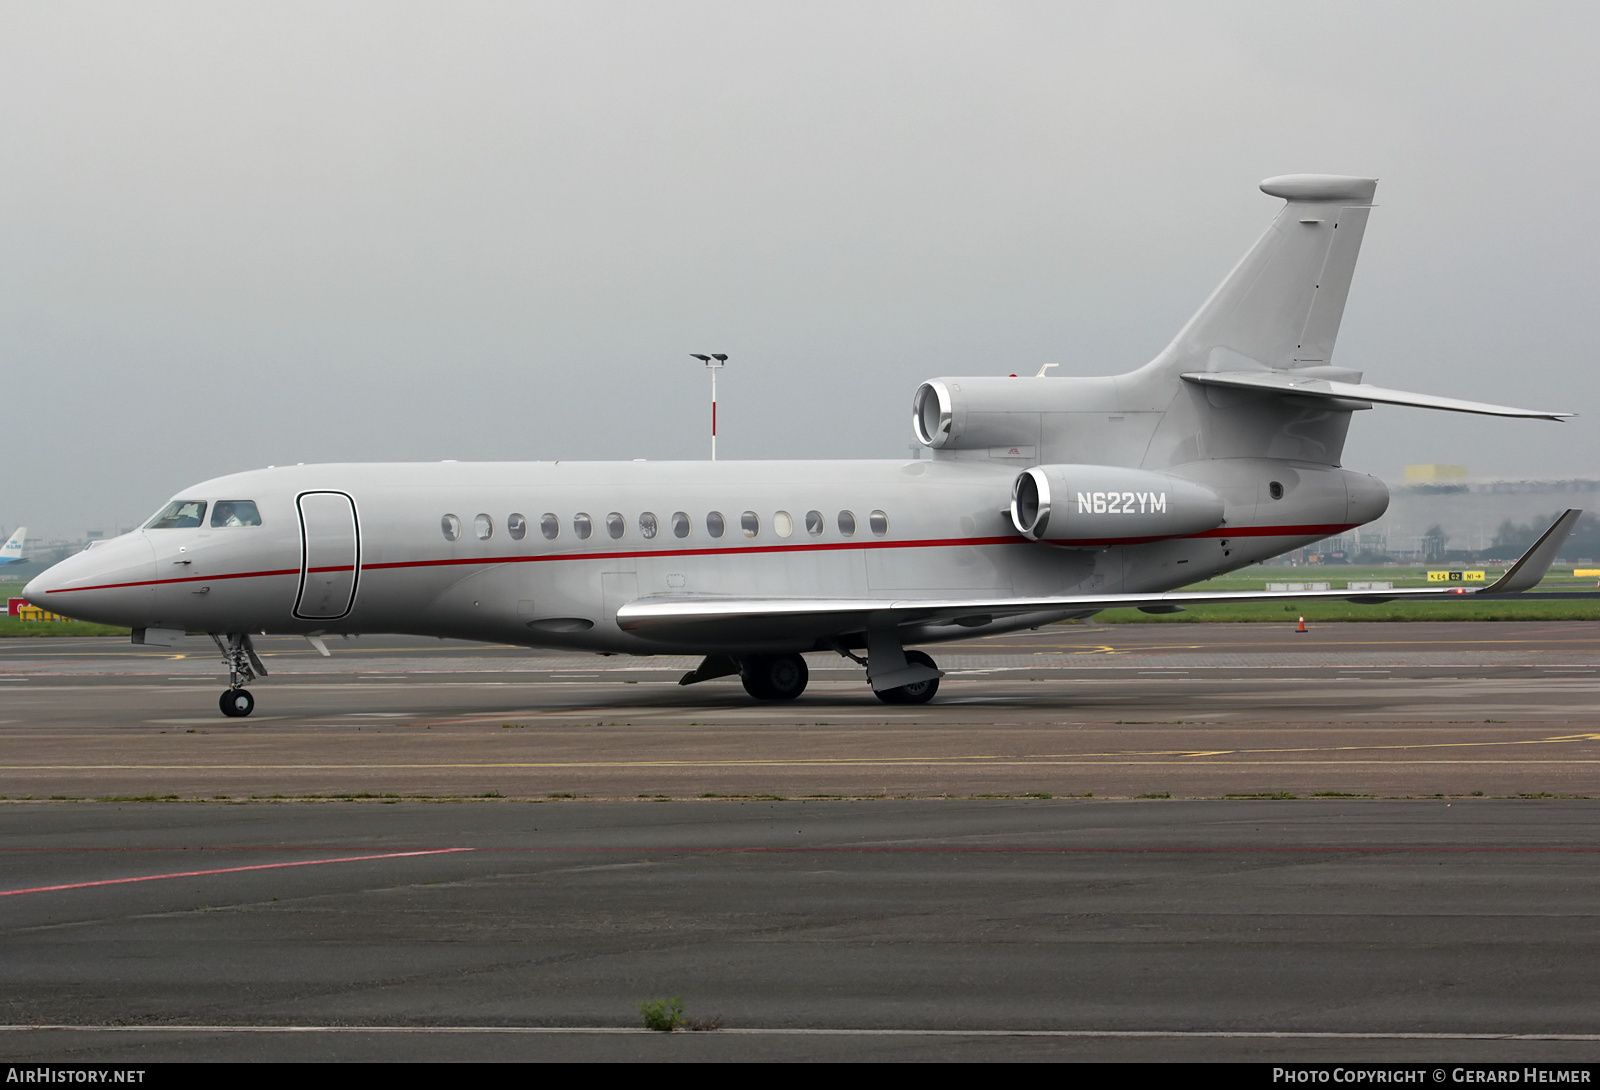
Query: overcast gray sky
241, 234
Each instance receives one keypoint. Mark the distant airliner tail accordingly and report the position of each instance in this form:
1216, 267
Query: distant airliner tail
11, 551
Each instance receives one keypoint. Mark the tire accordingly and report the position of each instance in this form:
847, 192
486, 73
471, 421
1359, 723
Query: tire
236, 703
918, 692
774, 677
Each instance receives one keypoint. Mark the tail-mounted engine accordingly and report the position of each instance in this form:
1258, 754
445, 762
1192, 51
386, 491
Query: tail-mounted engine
1097, 506
978, 413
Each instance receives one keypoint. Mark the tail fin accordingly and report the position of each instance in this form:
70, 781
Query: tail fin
11, 551
1280, 307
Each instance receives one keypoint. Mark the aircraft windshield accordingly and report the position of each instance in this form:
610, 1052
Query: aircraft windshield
235, 513
179, 515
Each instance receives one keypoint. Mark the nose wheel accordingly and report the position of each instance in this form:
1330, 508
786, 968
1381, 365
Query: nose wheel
237, 703
244, 666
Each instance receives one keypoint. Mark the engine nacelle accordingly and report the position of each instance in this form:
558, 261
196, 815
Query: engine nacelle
1096, 506
977, 413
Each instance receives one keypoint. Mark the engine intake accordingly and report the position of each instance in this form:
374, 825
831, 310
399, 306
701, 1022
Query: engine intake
979, 413
1096, 506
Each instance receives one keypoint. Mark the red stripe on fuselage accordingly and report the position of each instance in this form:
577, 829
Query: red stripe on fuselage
1221, 532
806, 547
184, 579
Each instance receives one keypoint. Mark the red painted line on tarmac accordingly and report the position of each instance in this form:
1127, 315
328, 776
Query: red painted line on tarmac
732, 849
228, 870
1071, 851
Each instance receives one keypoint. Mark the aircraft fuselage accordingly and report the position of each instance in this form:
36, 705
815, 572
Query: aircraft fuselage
368, 547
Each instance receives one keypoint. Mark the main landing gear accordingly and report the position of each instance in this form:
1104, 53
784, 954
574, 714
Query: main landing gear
244, 666
774, 677
917, 692
898, 676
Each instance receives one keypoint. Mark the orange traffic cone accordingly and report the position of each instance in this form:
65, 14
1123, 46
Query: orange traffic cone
1302, 627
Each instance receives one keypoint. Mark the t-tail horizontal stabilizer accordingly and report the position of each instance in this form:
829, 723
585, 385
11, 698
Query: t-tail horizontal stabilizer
1281, 382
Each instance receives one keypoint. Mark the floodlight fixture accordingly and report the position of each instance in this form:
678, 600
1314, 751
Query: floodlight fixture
714, 363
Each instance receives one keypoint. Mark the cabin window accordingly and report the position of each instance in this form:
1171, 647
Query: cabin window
483, 526
549, 526
782, 524
1275, 490
847, 523
616, 524
814, 524
582, 525
451, 527
179, 515
879, 523
516, 526
235, 513
750, 523
647, 524
715, 524
680, 524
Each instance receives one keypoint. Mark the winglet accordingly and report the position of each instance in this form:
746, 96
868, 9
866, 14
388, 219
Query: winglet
1527, 571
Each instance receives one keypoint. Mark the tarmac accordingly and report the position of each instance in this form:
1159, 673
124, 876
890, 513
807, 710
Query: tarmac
1190, 711
426, 850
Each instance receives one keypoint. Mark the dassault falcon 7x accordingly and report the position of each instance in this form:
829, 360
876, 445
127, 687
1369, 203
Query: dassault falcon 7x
1044, 499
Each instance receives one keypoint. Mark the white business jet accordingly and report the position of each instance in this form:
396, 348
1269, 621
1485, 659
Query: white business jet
1044, 499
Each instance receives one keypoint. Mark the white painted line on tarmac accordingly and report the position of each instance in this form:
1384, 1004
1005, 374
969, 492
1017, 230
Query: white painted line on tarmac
765, 1031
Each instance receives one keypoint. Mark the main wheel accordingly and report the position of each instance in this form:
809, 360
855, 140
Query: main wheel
774, 677
918, 692
236, 703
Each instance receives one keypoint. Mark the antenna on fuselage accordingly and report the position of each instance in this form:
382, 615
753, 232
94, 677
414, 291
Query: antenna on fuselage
713, 364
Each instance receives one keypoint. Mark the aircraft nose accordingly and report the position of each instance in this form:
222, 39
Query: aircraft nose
40, 586
111, 583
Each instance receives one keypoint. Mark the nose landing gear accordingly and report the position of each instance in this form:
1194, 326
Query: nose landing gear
244, 666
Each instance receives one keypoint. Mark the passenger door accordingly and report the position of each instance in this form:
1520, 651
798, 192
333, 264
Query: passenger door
330, 555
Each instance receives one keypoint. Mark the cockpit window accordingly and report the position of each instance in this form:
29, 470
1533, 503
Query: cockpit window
235, 513
179, 515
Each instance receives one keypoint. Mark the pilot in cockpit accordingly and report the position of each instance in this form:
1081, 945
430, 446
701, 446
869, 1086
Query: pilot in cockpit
235, 513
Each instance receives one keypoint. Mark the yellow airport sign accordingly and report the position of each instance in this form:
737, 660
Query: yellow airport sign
1592, 573
1435, 473
1456, 577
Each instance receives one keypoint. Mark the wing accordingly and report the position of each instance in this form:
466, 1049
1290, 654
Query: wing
1281, 382
706, 620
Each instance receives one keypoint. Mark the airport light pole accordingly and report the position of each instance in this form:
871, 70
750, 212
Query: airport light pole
713, 364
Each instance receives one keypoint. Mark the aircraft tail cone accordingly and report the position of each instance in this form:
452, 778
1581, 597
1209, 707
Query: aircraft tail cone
1302, 627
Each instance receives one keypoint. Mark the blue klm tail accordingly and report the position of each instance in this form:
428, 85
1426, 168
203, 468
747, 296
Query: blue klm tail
11, 551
